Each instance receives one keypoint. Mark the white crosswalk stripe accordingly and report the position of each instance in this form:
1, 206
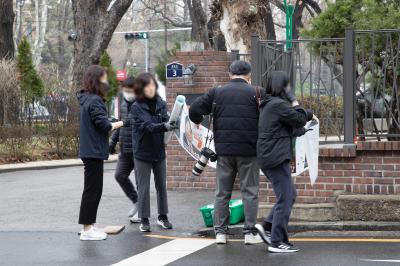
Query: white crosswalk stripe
166, 253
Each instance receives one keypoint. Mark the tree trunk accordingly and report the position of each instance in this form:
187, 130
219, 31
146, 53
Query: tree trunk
199, 22
6, 29
269, 23
94, 27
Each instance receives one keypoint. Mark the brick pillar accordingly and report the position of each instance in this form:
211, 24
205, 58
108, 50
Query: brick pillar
212, 71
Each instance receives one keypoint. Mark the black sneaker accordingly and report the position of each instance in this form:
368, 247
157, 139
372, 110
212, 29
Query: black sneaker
163, 222
282, 248
265, 234
145, 225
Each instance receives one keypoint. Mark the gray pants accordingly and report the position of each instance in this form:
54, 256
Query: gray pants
227, 169
143, 175
285, 191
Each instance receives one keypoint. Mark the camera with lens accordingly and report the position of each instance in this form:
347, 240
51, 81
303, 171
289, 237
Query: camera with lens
205, 155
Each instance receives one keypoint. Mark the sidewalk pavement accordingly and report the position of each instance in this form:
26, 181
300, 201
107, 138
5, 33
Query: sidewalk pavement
51, 164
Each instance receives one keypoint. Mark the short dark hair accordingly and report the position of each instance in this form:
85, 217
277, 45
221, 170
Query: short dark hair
239, 67
142, 81
277, 81
91, 80
129, 82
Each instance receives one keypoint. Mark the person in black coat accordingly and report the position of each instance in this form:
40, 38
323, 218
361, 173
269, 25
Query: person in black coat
235, 128
281, 119
94, 128
150, 118
124, 136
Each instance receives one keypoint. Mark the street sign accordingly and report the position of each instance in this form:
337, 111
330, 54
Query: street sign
122, 75
174, 70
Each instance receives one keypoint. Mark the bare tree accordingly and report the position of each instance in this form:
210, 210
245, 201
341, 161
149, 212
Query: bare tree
94, 23
6, 29
41, 8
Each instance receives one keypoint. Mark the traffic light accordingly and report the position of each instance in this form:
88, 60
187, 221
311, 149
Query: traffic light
137, 36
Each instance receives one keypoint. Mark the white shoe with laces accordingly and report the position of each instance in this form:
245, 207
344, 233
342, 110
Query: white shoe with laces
220, 239
282, 248
133, 211
135, 219
93, 234
252, 239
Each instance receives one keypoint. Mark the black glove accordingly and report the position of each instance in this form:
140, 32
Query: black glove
290, 95
126, 122
170, 126
111, 148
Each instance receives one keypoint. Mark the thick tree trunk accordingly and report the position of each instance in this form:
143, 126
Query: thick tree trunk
199, 22
94, 27
269, 23
6, 29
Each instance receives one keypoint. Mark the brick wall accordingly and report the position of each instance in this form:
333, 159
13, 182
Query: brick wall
368, 168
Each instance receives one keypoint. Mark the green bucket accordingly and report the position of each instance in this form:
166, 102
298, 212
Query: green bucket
236, 212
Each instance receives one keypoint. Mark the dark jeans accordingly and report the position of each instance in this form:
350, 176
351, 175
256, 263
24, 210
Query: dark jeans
285, 191
125, 167
93, 188
143, 173
249, 173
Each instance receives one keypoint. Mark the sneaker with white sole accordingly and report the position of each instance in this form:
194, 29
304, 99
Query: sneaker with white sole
282, 248
220, 239
164, 222
145, 225
135, 219
133, 211
93, 234
252, 239
264, 234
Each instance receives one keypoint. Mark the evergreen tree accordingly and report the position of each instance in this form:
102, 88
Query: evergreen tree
31, 83
105, 61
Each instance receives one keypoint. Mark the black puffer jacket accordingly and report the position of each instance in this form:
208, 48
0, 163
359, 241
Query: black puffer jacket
94, 127
148, 130
235, 117
124, 135
278, 123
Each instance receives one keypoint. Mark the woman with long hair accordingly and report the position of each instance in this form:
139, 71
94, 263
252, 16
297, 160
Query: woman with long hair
150, 123
281, 119
94, 128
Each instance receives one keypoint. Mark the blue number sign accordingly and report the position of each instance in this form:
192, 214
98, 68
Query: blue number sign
174, 70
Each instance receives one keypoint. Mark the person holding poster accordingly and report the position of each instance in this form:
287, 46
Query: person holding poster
281, 118
150, 123
235, 112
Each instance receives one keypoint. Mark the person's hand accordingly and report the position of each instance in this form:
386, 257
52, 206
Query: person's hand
295, 103
308, 129
126, 122
111, 148
315, 118
117, 125
170, 126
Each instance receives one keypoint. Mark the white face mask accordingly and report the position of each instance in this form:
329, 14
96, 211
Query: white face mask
129, 96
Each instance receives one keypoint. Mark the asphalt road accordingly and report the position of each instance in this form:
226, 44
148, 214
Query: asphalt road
39, 210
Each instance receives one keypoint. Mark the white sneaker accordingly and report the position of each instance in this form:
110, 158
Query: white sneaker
93, 234
133, 211
135, 219
251, 239
220, 238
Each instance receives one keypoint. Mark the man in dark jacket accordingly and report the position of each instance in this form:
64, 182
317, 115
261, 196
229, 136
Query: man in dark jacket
235, 109
123, 135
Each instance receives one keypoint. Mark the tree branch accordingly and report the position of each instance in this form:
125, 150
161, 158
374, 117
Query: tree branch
165, 17
314, 5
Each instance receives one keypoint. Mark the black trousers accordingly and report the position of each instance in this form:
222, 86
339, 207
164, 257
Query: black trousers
125, 167
93, 188
285, 191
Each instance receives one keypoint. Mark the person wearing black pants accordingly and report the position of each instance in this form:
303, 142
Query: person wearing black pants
124, 137
94, 128
281, 119
150, 123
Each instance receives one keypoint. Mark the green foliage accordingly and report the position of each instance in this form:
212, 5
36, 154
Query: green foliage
358, 14
31, 83
163, 59
106, 62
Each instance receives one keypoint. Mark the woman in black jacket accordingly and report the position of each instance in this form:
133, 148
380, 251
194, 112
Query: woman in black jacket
94, 128
281, 118
150, 123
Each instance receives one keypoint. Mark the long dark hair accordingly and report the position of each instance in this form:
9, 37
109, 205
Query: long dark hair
277, 81
91, 80
142, 81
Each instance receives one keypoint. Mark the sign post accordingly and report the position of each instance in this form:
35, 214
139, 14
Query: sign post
289, 9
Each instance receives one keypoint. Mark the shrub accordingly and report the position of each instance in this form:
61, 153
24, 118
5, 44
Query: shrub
10, 102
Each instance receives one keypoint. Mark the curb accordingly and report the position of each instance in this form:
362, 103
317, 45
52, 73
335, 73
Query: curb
44, 165
296, 227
